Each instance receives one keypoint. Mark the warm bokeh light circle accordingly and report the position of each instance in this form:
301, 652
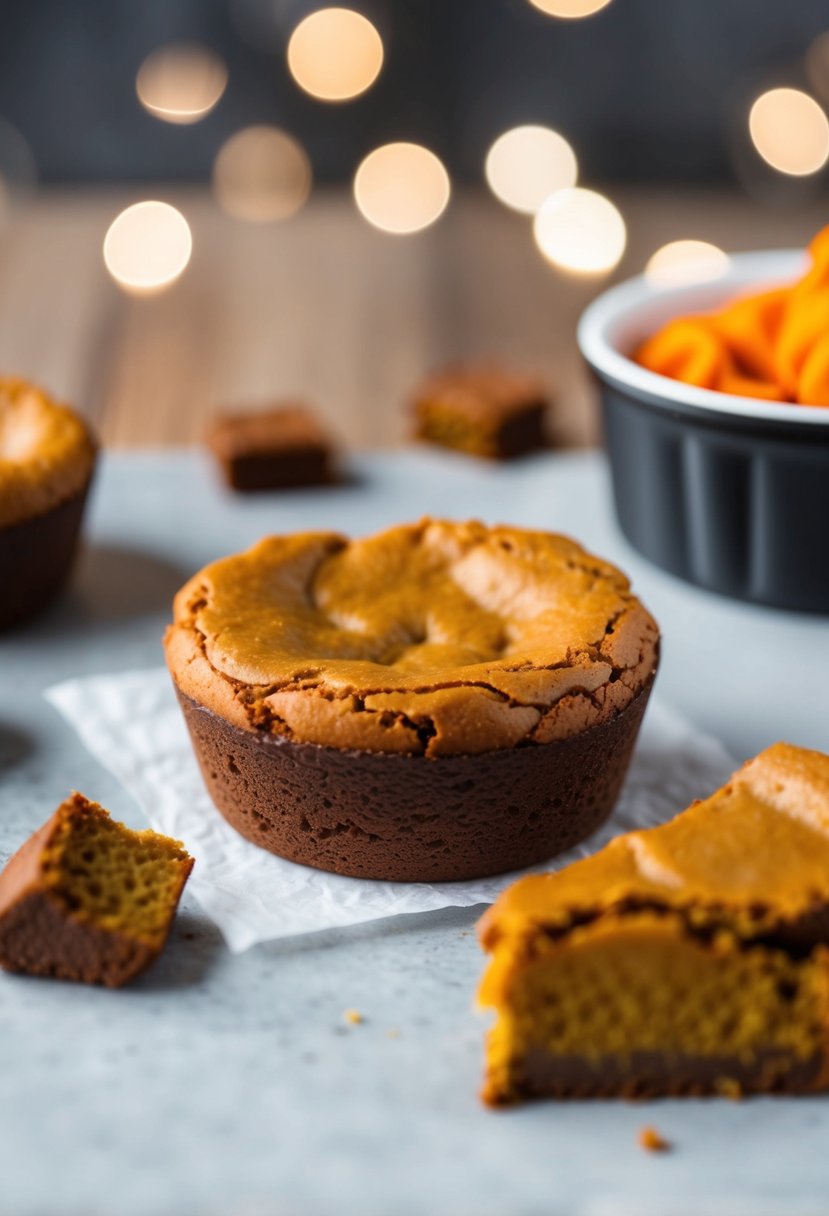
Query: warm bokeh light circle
580, 231
570, 9
401, 187
181, 84
262, 174
335, 54
790, 131
527, 164
686, 261
147, 247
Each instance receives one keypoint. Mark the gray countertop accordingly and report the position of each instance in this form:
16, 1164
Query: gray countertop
232, 1084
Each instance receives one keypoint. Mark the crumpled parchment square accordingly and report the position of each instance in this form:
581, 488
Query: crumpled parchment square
132, 724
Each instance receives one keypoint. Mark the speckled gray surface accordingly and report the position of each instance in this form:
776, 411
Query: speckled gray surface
232, 1085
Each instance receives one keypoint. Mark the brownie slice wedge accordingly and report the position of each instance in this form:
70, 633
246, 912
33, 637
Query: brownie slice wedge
688, 958
85, 898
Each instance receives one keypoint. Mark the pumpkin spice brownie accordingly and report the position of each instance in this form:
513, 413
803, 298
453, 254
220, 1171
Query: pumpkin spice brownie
87, 899
685, 959
47, 457
442, 700
482, 409
279, 448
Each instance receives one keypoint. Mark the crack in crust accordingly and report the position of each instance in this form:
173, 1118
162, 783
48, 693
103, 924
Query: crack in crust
435, 638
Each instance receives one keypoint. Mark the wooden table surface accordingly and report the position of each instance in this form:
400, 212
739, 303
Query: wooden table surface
323, 306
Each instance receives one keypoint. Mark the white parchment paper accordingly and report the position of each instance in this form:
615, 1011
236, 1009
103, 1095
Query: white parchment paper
131, 723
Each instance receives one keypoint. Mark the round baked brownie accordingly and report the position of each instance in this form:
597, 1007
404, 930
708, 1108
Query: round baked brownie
47, 456
440, 701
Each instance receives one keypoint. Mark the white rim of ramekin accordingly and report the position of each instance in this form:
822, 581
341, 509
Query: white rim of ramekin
600, 318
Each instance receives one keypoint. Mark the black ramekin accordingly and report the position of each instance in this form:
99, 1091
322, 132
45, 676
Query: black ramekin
728, 493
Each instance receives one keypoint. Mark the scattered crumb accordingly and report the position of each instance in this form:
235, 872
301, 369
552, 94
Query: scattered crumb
392, 1034
353, 1017
651, 1141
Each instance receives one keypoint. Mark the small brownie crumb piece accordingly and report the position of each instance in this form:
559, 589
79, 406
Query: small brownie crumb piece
652, 1142
273, 449
483, 410
88, 899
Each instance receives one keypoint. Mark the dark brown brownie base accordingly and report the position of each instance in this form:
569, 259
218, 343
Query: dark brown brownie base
279, 470
522, 434
36, 557
39, 937
409, 818
652, 1075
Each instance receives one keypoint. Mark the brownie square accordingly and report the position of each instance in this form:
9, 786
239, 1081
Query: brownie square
482, 409
272, 449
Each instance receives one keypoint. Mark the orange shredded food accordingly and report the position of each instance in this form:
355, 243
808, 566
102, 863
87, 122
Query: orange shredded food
773, 345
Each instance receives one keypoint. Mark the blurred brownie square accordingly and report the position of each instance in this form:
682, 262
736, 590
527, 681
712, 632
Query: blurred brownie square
482, 409
272, 449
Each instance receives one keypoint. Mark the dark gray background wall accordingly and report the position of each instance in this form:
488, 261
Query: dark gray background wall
646, 89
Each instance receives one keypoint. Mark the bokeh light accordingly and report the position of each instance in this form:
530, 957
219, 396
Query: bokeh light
262, 174
147, 247
401, 187
527, 164
335, 54
570, 9
181, 84
790, 131
581, 231
686, 261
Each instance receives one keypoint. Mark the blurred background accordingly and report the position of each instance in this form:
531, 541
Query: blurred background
210, 203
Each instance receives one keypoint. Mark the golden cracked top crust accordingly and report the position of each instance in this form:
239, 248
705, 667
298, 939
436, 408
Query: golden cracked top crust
437, 638
753, 858
46, 452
